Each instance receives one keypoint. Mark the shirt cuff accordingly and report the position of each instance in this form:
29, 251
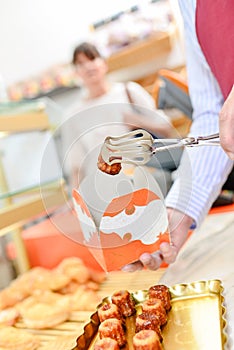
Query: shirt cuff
195, 201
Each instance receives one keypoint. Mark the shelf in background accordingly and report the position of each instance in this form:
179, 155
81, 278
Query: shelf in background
141, 51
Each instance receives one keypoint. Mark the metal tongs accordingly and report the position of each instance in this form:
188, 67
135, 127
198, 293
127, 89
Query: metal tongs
138, 146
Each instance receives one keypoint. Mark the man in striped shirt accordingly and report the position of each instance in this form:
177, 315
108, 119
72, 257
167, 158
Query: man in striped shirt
209, 36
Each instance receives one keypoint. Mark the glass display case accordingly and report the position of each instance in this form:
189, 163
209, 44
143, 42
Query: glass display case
31, 181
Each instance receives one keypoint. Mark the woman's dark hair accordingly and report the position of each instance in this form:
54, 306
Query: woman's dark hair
89, 50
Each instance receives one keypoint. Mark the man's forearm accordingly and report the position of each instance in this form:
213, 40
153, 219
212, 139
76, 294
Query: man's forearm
226, 125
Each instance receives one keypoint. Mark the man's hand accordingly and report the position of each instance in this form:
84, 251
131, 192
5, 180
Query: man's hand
179, 225
226, 125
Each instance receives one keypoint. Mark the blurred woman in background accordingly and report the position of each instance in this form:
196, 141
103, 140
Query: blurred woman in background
104, 108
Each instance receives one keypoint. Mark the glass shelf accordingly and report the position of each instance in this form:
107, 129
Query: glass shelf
13, 108
41, 199
27, 190
42, 108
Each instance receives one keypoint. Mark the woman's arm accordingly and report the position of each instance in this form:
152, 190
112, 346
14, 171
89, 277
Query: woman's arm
142, 121
144, 113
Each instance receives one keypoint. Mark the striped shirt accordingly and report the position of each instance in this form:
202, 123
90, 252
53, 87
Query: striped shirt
203, 170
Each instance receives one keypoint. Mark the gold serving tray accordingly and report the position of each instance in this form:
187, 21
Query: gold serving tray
196, 320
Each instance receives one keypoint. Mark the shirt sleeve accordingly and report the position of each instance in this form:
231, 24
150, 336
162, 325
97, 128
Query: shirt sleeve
203, 170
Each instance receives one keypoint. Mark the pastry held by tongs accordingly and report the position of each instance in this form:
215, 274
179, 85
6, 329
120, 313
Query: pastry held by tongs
138, 146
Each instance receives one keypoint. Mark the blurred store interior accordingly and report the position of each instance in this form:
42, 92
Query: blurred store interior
142, 41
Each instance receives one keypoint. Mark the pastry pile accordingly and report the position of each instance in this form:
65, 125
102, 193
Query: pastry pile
43, 298
145, 332
12, 338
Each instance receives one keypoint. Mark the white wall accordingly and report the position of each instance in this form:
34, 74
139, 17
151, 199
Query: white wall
35, 34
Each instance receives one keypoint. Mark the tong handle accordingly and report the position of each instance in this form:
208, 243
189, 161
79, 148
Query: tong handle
204, 140
209, 137
190, 141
